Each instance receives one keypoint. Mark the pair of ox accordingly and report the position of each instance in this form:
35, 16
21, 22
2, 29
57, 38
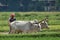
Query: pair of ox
28, 26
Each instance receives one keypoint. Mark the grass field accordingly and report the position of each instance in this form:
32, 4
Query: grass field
53, 33
32, 36
53, 18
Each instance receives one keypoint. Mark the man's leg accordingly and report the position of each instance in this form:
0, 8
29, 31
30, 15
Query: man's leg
10, 29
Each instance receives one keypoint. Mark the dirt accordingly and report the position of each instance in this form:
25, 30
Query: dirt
4, 33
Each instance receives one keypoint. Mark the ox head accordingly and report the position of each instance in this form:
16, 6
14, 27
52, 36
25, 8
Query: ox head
36, 25
44, 23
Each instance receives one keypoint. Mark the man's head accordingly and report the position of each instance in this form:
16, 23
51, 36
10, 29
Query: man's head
12, 15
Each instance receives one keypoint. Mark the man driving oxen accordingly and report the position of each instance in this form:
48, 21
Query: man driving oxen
11, 19
26, 26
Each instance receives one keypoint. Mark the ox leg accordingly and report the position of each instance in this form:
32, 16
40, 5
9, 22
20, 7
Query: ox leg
12, 31
40, 27
18, 31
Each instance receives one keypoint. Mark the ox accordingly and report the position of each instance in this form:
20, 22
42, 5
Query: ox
44, 23
24, 26
28, 26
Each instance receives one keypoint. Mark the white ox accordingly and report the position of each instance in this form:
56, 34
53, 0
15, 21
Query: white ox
28, 26
44, 24
24, 26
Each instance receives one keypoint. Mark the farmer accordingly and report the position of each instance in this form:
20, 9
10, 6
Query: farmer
11, 19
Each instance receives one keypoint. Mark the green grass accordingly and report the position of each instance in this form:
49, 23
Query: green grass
53, 19
47, 34
31, 38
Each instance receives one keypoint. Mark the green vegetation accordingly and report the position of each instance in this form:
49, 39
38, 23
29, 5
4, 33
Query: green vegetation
53, 18
53, 33
31, 36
